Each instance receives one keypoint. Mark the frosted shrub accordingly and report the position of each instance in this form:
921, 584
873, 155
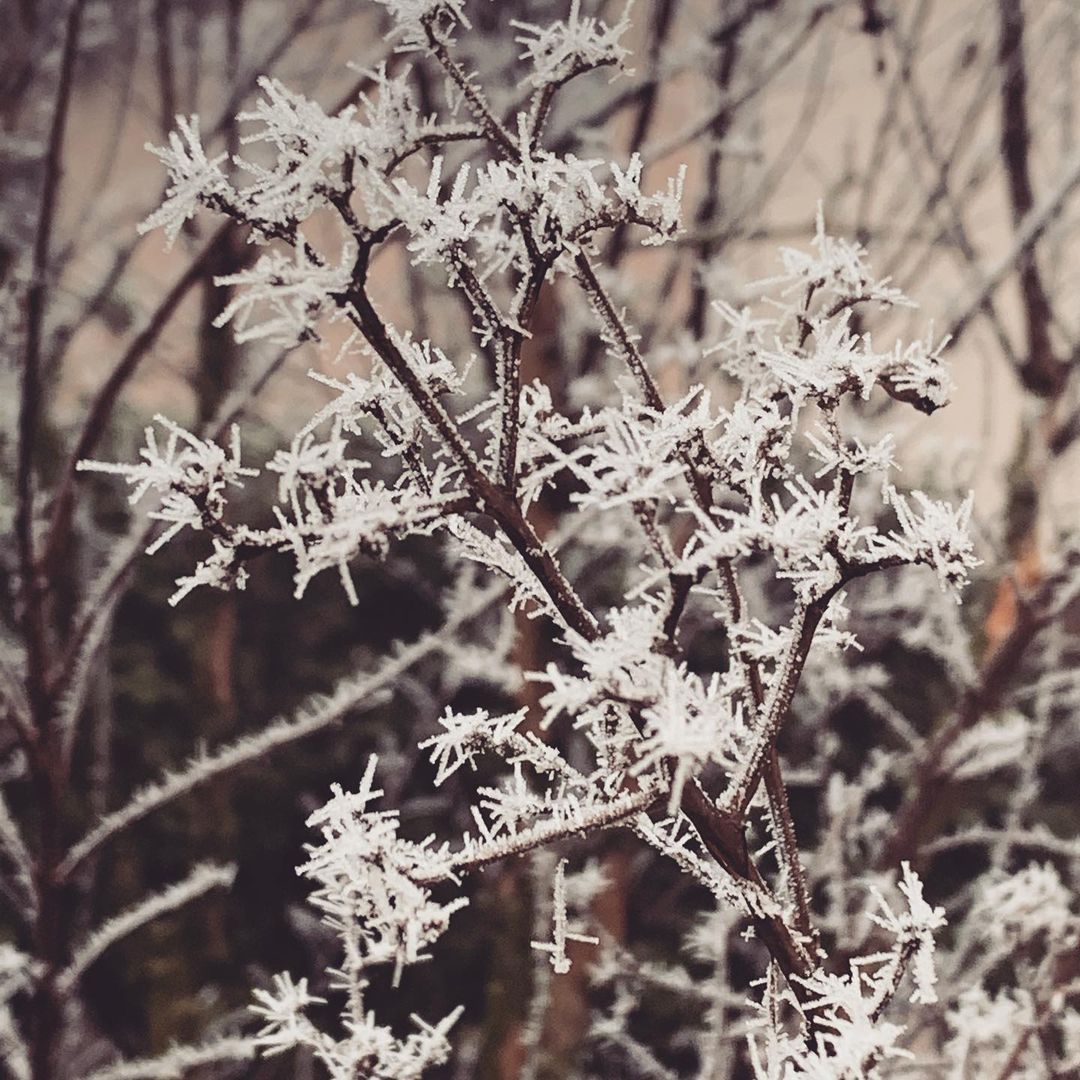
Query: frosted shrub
753, 508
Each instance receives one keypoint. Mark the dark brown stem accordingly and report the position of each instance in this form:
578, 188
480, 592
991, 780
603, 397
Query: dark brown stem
1041, 371
728, 52
473, 98
702, 489
491, 497
511, 377
506, 363
166, 65
49, 932
621, 337
43, 753
744, 786
30, 398
788, 842
725, 840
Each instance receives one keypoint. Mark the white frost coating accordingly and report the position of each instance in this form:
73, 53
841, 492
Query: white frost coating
201, 880
734, 543
561, 932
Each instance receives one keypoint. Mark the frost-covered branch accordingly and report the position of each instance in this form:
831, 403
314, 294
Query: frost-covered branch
200, 881
178, 1061
733, 542
363, 690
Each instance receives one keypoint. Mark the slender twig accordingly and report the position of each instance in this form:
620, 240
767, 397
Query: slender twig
478, 106
1041, 371
49, 930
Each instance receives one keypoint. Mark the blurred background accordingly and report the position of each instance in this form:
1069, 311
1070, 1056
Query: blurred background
943, 134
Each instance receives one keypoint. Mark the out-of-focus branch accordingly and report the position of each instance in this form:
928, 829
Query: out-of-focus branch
932, 777
30, 396
942, 193
795, 42
1027, 235
101, 408
365, 689
1041, 372
166, 65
